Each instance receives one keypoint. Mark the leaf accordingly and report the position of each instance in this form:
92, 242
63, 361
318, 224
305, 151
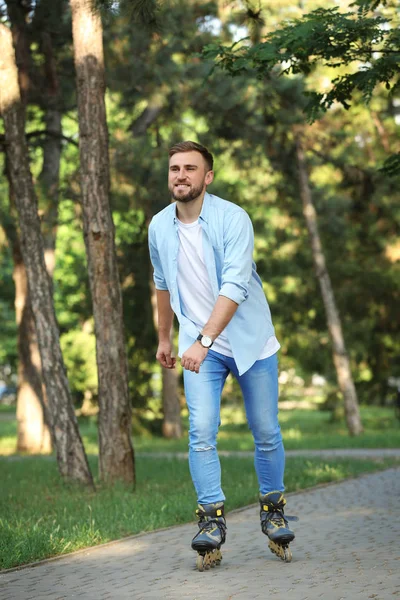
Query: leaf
391, 166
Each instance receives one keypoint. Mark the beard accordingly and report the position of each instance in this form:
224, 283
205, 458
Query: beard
191, 194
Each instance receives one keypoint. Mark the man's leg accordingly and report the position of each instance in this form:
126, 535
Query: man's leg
260, 390
259, 386
203, 398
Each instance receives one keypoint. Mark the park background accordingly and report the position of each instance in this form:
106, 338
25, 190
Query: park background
168, 79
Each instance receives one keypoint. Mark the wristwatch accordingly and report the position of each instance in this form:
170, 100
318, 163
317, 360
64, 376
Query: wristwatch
204, 340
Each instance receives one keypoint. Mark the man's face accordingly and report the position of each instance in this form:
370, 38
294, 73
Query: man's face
188, 176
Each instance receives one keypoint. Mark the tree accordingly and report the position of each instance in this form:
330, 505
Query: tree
340, 357
246, 59
33, 432
116, 451
40, 86
160, 91
71, 455
364, 43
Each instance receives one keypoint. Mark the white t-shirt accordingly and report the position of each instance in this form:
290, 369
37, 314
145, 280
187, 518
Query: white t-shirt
195, 290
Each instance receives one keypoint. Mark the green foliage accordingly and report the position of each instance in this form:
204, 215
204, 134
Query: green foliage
71, 283
144, 13
8, 345
8, 328
8, 339
326, 36
391, 166
159, 92
79, 351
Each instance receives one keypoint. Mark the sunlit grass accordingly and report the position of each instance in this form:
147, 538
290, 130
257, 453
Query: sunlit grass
40, 516
8, 436
303, 429
292, 434
7, 409
7, 445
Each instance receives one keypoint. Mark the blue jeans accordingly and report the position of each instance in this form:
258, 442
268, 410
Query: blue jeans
259, 386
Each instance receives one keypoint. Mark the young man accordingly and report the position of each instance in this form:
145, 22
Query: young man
201, 249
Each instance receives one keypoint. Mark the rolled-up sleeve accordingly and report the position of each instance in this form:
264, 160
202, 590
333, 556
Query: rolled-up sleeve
158, 275
238, 257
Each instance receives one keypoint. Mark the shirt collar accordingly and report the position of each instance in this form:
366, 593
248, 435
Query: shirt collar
203, 213
205, 208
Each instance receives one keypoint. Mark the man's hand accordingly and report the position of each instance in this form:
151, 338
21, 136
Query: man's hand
193, 357
163, 355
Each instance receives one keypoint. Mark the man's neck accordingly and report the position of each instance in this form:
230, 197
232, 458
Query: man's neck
188, 212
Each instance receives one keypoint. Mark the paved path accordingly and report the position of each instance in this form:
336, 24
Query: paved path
331, 453
347, 548
371, 453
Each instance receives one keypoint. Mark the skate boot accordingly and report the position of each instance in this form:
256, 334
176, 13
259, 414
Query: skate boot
211, 535
275, 525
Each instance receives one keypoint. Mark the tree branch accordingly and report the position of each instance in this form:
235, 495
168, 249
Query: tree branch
39, 132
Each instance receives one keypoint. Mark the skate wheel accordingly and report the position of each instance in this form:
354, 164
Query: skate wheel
287, 554
282, 552
200, 562
276, 549
208, 560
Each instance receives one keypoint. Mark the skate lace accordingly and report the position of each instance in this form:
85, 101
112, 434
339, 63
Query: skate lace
277, 519
210, 524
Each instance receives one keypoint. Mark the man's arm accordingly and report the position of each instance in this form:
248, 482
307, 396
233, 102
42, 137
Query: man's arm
223, 311
164, 310
165, 320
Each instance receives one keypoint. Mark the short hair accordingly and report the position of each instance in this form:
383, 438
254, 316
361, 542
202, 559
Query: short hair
189, 147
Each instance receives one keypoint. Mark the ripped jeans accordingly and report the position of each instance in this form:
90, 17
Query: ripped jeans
259, 386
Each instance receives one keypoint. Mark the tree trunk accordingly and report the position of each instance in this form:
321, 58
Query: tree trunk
149, 115
49, 178
340, 357
115, 416
172, 424
18, 11
33, 433
71, 455
27, 407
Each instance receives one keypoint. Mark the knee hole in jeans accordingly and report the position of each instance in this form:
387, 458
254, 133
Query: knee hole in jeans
203, 448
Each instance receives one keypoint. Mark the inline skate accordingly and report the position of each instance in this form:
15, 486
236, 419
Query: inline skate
211, 535
275, 525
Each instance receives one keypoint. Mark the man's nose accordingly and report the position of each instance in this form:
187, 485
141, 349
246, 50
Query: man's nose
182, 174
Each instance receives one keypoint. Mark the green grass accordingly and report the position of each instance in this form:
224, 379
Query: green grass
302, 429
40, 516
7, 409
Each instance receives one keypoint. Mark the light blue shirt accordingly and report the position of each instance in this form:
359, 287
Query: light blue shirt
228, 242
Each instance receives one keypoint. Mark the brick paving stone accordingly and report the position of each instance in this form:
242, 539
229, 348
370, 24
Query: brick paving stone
346, 548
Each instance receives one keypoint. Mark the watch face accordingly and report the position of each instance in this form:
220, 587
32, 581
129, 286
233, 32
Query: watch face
206, 341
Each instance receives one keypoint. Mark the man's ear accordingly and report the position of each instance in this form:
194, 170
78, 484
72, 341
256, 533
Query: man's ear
209, 177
